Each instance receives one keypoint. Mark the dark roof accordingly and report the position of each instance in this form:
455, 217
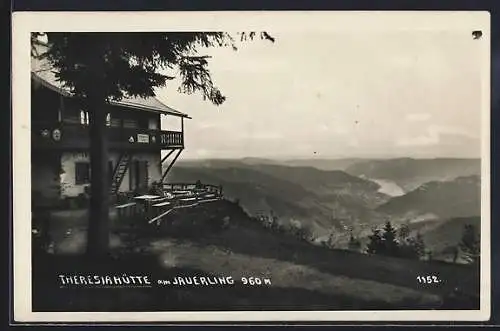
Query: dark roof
43, 73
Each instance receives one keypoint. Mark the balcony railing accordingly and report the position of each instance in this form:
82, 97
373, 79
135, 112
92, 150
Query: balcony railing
75, 136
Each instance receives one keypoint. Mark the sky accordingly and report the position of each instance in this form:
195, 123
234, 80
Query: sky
414, 93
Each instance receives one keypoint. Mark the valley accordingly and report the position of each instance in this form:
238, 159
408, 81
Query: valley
336, 198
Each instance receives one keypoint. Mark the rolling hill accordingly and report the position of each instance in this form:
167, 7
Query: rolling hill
442, 237
410, 173
459, 197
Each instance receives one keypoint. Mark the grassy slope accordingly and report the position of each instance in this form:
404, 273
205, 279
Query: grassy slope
303, 276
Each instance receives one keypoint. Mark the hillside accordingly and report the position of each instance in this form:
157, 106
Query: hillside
321, 200
442, 237
321, 164
192, 243
330, 203
410, 173
447, 199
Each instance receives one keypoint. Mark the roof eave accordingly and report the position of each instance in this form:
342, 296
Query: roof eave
162, 112
115, 103
50, 86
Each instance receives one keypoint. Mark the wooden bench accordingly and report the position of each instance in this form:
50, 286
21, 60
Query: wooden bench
162, 204
157, 200
127, 209
187, 200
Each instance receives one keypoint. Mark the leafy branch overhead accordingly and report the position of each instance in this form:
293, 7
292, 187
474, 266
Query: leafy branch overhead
134, 64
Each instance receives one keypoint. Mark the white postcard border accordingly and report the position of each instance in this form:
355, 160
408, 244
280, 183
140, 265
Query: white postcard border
26, 22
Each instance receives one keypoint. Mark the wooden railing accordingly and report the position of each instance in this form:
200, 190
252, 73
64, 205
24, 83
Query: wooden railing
216, 189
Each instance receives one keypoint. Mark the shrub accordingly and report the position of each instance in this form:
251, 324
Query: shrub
375, 245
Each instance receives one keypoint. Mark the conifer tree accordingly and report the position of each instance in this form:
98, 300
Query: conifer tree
390, 245
470, 244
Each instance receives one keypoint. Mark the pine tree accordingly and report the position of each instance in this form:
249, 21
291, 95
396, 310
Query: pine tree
404, 232
470, 244
419, 246
391, 247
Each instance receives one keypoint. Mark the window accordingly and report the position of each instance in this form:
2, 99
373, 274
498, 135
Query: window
153, 124
129, 123
82, 173
84, 117
108, 119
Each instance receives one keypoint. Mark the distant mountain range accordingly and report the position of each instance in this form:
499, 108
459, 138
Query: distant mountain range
364, 194
460, 197
406, 173
410, 173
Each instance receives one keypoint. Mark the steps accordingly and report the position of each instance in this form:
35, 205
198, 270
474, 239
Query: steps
119, 173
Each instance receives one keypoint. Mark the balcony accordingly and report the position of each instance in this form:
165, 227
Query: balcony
76, 137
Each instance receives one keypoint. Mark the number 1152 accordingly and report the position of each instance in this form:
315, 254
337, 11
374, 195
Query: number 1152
428, 279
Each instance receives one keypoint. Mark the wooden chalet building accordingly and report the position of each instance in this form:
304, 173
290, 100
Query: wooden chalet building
60, 166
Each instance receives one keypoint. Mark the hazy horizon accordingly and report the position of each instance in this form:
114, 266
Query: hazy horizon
270, 158
340, 94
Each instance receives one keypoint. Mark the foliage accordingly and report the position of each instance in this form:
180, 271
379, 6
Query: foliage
375, 245
470, 244
384, 242
404, 232
303, 233
390, 245
412, 247
419, 245
135, 64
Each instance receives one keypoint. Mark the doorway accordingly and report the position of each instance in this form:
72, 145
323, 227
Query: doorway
138, 175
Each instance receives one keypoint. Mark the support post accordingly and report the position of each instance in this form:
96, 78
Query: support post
171, 165
60, 113
166, 157
182, 130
